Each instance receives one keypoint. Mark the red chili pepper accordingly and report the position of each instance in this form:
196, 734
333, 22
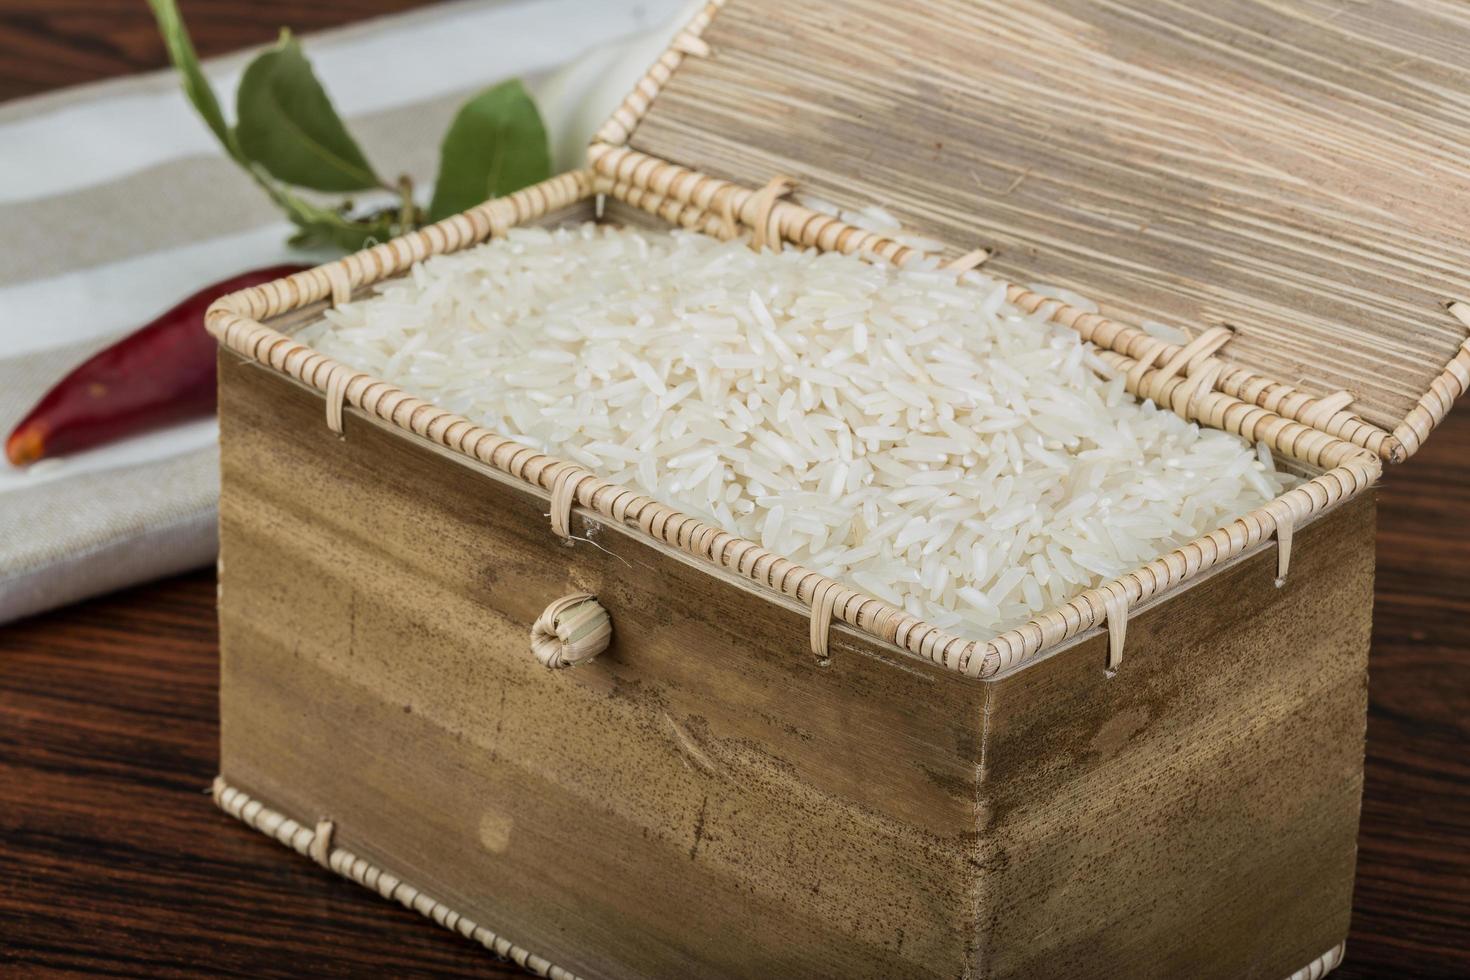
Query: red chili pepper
161, 374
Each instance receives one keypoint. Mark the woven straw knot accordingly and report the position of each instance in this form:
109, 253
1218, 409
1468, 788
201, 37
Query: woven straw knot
571, 631
766, 227
824, 604
320, 849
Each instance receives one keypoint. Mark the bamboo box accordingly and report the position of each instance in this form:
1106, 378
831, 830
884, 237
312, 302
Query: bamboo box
754, 770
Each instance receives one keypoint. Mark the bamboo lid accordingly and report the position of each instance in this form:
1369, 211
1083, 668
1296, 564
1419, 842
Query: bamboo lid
1300, 171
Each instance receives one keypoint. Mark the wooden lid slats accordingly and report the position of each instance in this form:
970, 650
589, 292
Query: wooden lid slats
1304, 180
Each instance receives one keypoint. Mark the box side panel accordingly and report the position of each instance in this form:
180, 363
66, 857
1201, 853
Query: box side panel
1196, 814
702, 799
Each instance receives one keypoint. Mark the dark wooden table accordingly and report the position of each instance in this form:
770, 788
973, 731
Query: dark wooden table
113, 860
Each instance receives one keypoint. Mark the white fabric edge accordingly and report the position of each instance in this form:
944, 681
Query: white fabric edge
180, 546
158, 446
121, 296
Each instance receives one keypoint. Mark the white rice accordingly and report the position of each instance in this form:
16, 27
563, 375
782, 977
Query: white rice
1162, 331
904, 431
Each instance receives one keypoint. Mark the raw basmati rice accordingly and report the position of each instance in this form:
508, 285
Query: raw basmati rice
906, 431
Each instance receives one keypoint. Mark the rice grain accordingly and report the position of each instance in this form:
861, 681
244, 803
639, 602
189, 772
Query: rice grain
909, 432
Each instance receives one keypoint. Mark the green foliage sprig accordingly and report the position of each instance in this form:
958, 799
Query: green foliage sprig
288, 137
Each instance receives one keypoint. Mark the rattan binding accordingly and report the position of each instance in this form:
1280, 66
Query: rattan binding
317, 845
626, 116
1322, 965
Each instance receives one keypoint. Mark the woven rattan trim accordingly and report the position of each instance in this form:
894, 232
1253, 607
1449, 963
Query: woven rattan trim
1322, 965
1329, 413
1453, 382
688, 42
697, 201
315, 843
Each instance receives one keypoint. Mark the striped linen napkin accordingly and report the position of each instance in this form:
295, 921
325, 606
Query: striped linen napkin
116, 203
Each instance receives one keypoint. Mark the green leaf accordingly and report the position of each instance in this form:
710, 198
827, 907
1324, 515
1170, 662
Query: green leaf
196, 86
496, 145
338, 232
284, 73
288, 126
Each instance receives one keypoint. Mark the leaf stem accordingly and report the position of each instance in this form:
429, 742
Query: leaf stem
407, 213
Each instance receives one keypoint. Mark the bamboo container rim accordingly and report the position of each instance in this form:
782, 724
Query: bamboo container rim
1186, 382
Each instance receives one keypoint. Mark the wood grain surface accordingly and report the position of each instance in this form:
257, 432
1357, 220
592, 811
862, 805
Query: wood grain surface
113, 860
45, 44
1299, 170
1194, 815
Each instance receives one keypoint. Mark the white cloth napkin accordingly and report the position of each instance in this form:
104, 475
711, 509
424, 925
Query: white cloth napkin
115, 204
